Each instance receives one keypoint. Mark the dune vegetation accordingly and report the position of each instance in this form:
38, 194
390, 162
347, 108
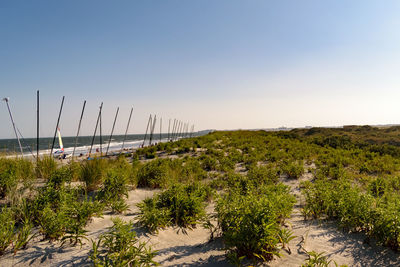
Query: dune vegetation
355, 182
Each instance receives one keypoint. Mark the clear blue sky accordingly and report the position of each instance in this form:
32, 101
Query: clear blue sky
218, 64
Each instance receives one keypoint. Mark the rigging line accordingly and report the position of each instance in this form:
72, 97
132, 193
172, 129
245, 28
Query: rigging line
23, 141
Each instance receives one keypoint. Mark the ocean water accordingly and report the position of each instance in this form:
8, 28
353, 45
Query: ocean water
10, 146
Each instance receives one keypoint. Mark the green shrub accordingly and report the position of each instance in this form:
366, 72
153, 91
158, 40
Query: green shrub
263, 175
153, 174
316, 259
355, 210
14, 172
151, 216
119, 206
7, 225
191, 171
23, 235
121, 247
114, 187
52, 223
78, 215
45, 166
293, 169
93, 172
250, 223
378, 187
182, 205
8, 176
59, 177
75, 170
208, 163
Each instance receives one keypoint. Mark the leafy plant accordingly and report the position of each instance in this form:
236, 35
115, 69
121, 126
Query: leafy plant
78, 215
8, 176
23, 236
250, 223
119, 206
316, 259
151, 216
182, 205
7, 225
45, 167
93, 172
153, 174
121, 247
52, 223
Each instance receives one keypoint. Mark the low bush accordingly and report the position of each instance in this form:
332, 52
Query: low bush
59, 177
93, 172
181, 205
316, 259
52, 223
121, 247
23, 235
153, 174
8, 176
7, 225
355, 210
114, 187
250, 223
78, 214
293, 169
263, 175
45, 166
208, 163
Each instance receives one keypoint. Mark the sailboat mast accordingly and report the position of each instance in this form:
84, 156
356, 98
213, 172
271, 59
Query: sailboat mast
37, 126
112, 131
126, 131
58, 121
79, 128
169, 126
13, 124
160, 128
101, 137
152, 129
148, 124
95, 129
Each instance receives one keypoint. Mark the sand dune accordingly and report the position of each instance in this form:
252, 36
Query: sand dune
193, 248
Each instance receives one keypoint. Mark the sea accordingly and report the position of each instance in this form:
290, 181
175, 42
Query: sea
132, 141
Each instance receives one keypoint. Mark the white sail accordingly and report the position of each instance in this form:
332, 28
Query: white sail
59, 139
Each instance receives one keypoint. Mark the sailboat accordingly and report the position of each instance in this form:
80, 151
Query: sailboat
60, 154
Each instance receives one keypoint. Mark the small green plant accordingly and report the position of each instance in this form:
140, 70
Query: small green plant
8, 176
93, 172
7, 225
151, 216
45, 167
23, 236
52, 223
285, 236
121, 247
78, 215
263, 175
250, 221
316, 259
59, 177
114, 187
113, 192
182, 205
293, 169
119, 206
153, 174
